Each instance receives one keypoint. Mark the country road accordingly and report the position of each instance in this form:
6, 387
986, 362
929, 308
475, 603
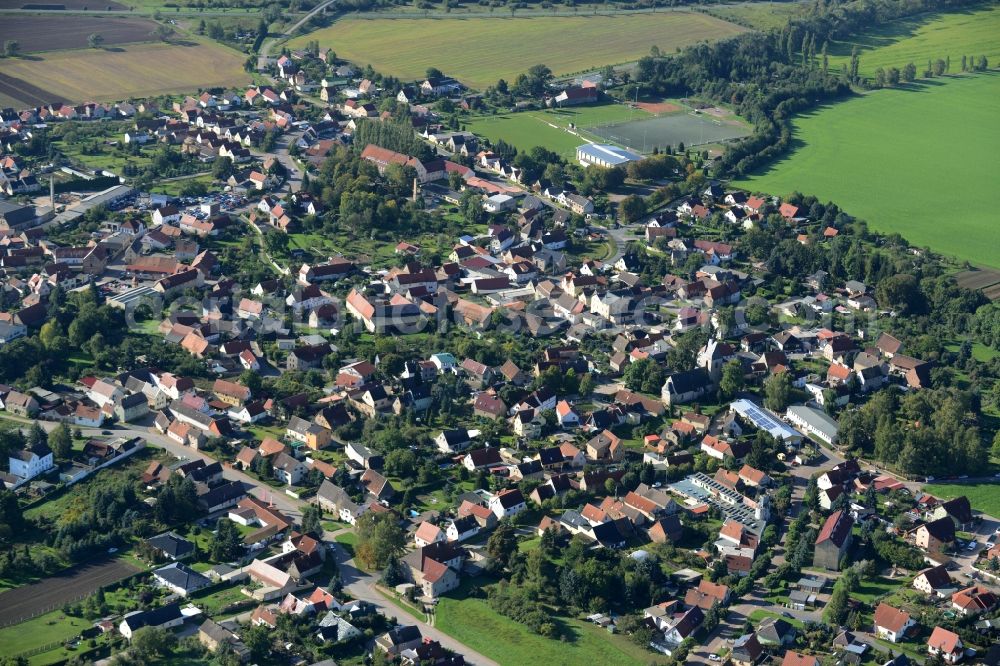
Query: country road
361, 585
357, 583
265, 48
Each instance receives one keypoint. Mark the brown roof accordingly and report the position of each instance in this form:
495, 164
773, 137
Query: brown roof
937, 576
976, 598
836, 528
796, 659
428, 532
891, 618
752, 474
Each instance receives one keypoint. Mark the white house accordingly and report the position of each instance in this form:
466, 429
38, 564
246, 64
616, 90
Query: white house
30, 462
165, 617
508, 502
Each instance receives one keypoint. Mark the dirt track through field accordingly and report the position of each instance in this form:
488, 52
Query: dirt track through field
28, 601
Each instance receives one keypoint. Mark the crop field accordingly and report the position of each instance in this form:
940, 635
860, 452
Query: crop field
51, 33
917, 40
126, 72
61, 4
909, 160
480, 51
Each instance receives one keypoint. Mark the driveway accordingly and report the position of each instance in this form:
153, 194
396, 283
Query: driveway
361, 585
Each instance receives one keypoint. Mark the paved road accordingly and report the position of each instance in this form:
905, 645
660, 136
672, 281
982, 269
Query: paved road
361, 585
286, 504
357, 583
265, 49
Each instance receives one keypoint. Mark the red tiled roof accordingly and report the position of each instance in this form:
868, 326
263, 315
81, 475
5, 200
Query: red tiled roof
892, 619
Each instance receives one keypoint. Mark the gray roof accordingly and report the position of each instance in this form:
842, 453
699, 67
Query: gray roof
171, 544
185, 578
816, 419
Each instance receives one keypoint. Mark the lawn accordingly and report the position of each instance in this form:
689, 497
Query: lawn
174, 187
909, 161
348, 540
525, 131
980, 352
870, 590
923, 38
474, 623
758, 615
43, 630
470, 50
984, 497
129, 71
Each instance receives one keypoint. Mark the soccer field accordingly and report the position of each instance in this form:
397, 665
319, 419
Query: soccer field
551, 128
918, 161
479, 51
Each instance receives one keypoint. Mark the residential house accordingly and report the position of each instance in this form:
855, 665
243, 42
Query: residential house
180, 579
507, 503
833, 540
164, 617
945, 644
934, 581
891, 624
974, 600
288, 470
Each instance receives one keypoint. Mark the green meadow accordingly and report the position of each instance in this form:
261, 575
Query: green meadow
472, 622
918, 160
983, 497
922, 38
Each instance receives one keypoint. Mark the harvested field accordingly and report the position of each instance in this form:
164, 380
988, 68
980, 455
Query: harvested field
469, 50
135, 70
52, 33
978, 279
61, 4
72, 584
15, 92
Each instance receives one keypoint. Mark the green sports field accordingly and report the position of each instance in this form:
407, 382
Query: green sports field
919, 161
480, 51
548, 129
917, 40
